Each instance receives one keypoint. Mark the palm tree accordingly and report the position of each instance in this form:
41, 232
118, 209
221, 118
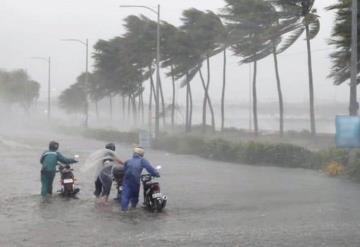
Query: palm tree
121, 65
250, 19
278, 29
142, 43
185, 65
205, 31
225, 42
302, 17
341, 57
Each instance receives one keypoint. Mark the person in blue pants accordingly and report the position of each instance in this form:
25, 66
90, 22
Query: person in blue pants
132, 174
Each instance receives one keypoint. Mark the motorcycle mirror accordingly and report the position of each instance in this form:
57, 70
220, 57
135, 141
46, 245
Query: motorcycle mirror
158, 167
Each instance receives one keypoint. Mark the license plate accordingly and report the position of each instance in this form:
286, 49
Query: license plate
156, 195
68, 181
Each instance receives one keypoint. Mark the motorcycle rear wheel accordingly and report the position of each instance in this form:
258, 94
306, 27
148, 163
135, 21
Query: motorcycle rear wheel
158, 206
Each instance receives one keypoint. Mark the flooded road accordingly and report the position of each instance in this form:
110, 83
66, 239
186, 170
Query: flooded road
210, 203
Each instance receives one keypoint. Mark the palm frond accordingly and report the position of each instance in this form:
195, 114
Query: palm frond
289, 41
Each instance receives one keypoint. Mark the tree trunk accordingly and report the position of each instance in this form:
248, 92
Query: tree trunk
129, 108
123, 107
187, 109
142, 108
223, 92
190, 107
208, 100
111, 107
281, 104
256, 127
204, 102
134, 111
162, 103
97, 109
173, 99
139, 107
150, 105
86, 109
208, 96
311, 83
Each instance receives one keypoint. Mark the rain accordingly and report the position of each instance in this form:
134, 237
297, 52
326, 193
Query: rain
244, 113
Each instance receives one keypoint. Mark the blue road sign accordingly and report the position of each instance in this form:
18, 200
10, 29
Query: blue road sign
347, 131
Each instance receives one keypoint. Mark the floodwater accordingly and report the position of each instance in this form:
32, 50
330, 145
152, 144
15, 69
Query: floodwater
210, 203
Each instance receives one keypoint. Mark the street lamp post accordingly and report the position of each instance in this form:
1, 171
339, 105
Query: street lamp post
48, 60
157, 106
86, 44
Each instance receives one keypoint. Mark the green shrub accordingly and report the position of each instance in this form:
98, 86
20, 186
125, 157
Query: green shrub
286, 155
180, 145
190, 145
353, 170
220, 149
289, 155
253, 153
167, 143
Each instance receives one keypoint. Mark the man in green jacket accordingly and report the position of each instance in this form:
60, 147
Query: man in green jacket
49, 160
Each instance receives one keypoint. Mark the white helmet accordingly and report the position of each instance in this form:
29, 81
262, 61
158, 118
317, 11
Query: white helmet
139, 150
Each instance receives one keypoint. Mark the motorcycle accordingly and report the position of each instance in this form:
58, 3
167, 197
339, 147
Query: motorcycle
118, 175
67, 180
154, 200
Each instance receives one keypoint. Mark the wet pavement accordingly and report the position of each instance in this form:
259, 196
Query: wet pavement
210, 203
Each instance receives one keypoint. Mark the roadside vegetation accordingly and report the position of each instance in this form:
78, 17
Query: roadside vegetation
333, 161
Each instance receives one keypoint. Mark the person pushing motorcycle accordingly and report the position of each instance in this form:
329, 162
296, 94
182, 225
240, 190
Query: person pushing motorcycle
132, 174
104, 173
49, 160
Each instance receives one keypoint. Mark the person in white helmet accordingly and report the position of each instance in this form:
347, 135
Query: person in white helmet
132, 174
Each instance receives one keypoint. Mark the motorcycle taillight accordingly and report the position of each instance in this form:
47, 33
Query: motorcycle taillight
155, 187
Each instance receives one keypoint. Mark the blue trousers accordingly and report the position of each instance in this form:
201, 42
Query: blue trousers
130, 194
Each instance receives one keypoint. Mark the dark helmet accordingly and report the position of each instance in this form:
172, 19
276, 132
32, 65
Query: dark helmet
110, 146
53, 146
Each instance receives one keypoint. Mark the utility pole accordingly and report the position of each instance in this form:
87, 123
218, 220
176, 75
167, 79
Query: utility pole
354, 107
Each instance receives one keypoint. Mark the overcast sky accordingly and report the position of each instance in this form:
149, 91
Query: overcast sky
35, 28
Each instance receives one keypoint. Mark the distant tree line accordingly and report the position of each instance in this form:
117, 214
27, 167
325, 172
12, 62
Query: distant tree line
16, 88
